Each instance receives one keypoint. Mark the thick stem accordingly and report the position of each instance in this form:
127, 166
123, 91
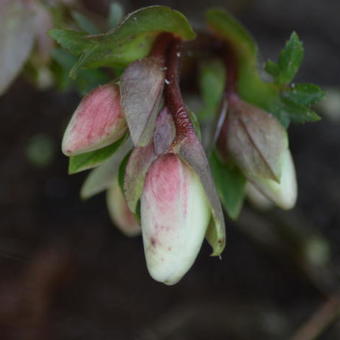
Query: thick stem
173, 97
161, 45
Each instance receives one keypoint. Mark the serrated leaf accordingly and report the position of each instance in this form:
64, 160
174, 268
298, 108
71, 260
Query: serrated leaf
290, 60
230, 184
92, 159
141, 89
84, 23
103, 176
304, 94
191, 152
299, 113
75, 42
16, 38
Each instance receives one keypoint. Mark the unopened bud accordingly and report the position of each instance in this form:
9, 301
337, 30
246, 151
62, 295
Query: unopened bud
283, 194
175, 215
97, 122
120, 212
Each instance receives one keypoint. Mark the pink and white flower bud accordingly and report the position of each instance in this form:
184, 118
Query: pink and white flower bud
284, 193
120, 212
175, 214
97, 122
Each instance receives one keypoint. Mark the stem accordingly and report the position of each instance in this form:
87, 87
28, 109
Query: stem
173, 97
160, 46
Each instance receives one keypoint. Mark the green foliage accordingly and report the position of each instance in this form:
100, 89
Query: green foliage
130, 41
86, 80
304, 94
230, 184
289, 62
212, 82
92, 159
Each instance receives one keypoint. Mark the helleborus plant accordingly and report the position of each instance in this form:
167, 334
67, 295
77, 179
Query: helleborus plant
144, 144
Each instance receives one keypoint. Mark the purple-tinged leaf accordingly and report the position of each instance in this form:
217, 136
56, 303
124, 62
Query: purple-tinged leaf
191, 151
165, 132
97, 122
141, 87
16, 38
139, 163
255, 139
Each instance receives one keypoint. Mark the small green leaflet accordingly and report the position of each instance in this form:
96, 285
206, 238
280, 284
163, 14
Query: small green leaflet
230, 184
289, 62
92, 159
304, 94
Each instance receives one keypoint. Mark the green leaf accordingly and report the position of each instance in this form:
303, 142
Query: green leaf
290, 60
75, 42
92, 159
272, 68
196, 124
304, 94
129, 41
84, 23
211, 81
230, 184
102, 177
87, 79
299, 113
226, 25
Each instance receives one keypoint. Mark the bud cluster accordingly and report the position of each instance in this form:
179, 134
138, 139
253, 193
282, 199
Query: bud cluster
143, 143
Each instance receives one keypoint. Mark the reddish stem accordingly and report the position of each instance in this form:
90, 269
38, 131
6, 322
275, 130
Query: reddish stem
173, 97
161, 45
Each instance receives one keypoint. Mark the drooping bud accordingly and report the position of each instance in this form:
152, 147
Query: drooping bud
254, 138
97, 122
283, 194
175, 214
120, 212
258, 144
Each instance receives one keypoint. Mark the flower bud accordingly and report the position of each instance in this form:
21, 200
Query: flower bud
97, 122
175, 214
283, 194
258, 144
120, 212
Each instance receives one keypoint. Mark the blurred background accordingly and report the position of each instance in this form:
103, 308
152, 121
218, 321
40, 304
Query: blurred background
67, 273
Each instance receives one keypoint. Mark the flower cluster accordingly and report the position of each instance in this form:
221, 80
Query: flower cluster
167, 184
145, 144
